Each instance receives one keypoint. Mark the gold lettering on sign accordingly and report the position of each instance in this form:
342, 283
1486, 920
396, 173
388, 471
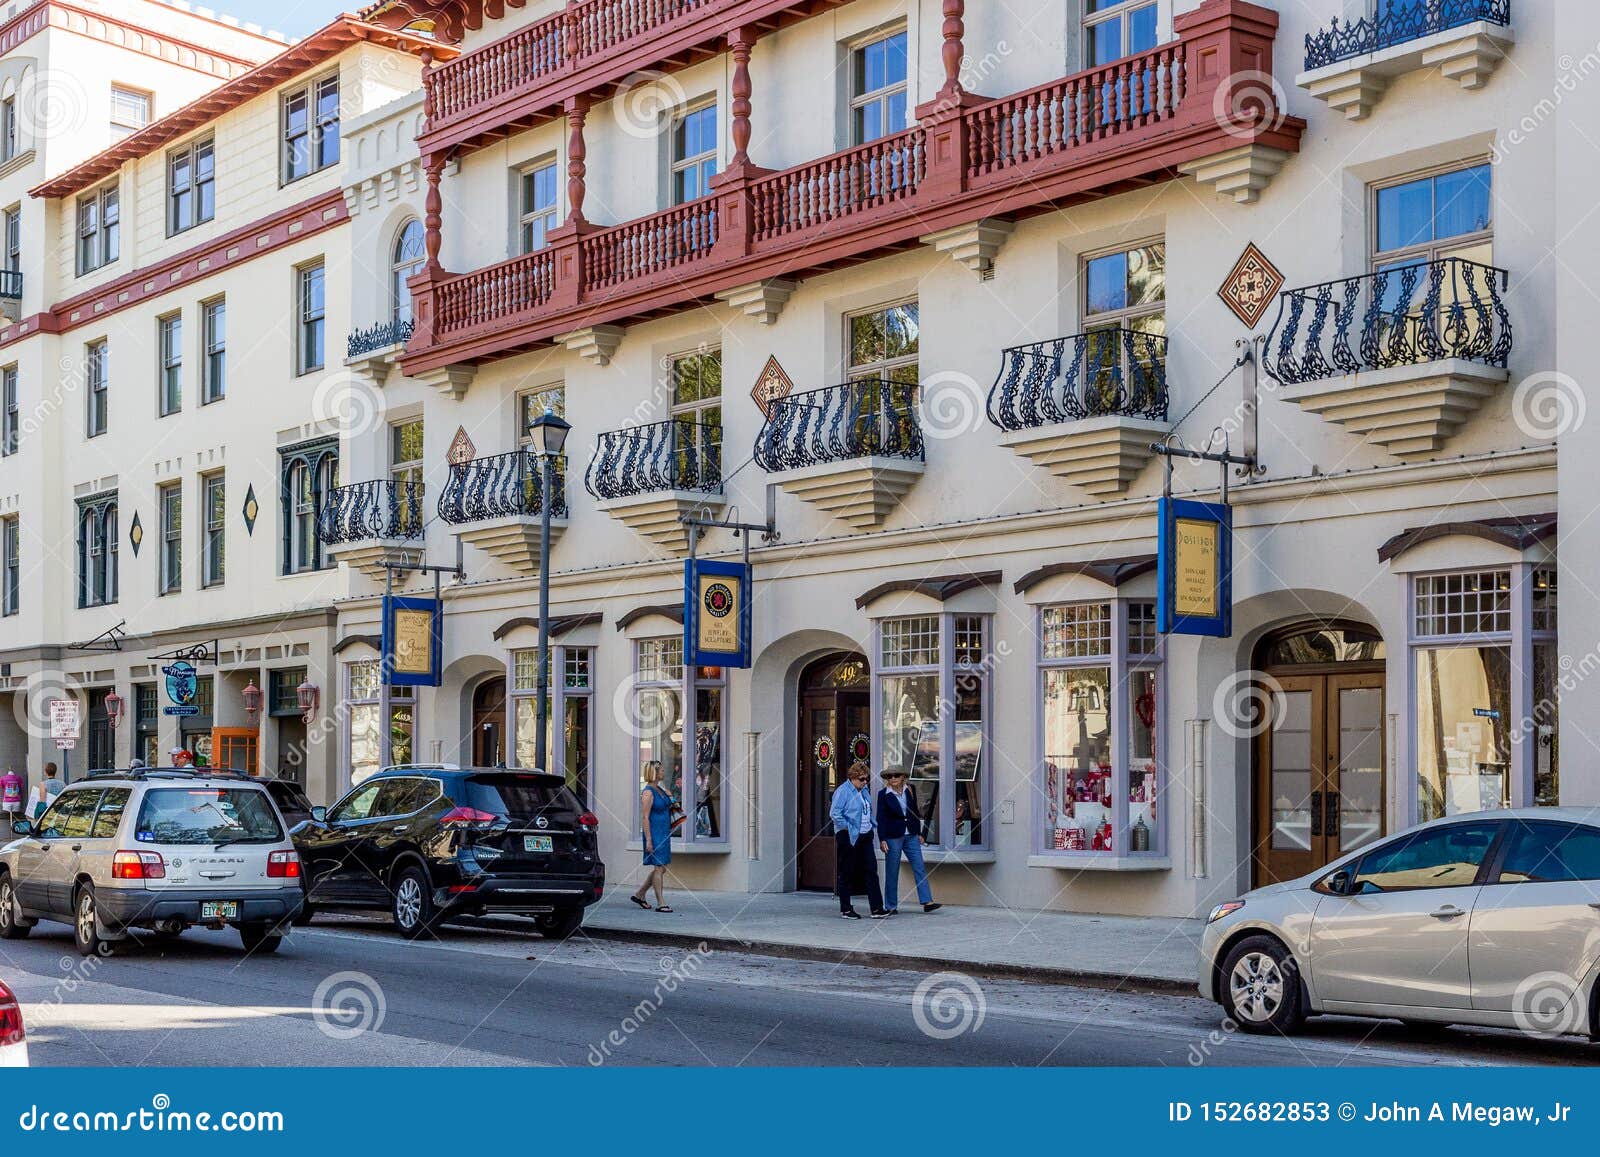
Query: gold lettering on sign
413, 642
719, 614
1196, 572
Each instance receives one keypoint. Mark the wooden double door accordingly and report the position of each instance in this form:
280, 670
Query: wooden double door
835, 729
1319, 772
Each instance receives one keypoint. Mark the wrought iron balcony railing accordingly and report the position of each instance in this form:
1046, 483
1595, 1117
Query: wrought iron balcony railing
501, 486
378, 337
11, 284
1088, 375
1397, 22
1404, 315
678, 454
869, 418
381, 509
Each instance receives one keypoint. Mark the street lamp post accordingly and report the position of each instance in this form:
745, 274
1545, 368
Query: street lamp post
549, 439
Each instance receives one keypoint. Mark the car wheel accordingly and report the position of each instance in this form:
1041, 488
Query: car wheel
86, 926
560, 924
12, 925
260, 939
413, 908
1261, 986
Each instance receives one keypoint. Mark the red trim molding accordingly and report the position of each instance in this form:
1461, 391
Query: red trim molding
229, 251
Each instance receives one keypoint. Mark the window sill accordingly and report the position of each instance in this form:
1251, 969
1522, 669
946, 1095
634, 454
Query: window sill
1100, 862
17, 162
956, 856
697, 848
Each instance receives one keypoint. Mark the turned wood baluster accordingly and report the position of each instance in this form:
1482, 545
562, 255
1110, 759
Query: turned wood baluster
433, 210
952, 50
427, 86
577, 108
740, 43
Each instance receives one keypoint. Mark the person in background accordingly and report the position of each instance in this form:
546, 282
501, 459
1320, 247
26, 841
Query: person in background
900, 833
855, 862
655, 823
46, 790
181, 757
11, 794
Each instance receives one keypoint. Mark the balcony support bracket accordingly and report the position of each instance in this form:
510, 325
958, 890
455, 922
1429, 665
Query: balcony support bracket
1467, 55
763, 300
974, 246
1408, 410
451, 381
1238, 174
1100, 455
595, 343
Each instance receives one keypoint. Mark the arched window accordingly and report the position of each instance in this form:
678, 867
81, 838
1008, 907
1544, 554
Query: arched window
409, 258
97, 551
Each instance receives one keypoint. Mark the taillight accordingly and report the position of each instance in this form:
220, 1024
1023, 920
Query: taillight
467, 817
589, 821
138, 866
10, 1017
283, 866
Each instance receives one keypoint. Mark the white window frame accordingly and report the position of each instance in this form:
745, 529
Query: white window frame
8, 128
169, 504
678, 165
547, 217
169, 367
99, 244
880, 96
198, 213
560, 655
309, 319
316, 131
1434, 248
403, 267
124, 97
214, 350
1121, 9
97, 394
213, 531
13, 239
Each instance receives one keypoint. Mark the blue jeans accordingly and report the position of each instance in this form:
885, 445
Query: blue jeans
911, 848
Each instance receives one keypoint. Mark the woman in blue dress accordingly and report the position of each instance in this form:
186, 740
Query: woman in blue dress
655, 822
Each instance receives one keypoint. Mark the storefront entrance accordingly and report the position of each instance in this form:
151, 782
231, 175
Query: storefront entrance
835, 729
489, 723
1319, 764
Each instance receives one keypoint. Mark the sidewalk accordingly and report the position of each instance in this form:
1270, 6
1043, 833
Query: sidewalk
1127, 951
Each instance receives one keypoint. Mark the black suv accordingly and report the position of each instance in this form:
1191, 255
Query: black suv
432, 842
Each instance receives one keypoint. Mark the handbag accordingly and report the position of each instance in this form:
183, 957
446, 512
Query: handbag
676, 817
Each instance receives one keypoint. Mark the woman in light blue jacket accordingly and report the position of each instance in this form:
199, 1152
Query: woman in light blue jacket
855, 860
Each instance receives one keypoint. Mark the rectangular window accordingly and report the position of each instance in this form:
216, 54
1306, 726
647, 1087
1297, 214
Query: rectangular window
170, 343
691, 758
1448, 214
11, 552
11, 415
13, 240
1127, 289
570, 715
697, 418
130, 110
214, 367
538, 208
191, 186
310, 128
96, 372
1113, 29
694, 153
99, 229
8, 128
878, 88
368, 747
169, 499
213, 552
146, 722
311, 332
406, 469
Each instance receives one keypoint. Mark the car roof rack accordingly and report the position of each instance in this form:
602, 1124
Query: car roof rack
141, 773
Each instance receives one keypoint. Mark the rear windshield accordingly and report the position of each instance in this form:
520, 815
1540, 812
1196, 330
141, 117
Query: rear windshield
521, 797
207, 815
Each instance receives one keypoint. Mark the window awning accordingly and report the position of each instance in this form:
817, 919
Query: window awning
1113, 572
941, 587
1517, 532
559, 624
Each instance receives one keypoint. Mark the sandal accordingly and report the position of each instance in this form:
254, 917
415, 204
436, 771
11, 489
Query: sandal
642, 903
663, 908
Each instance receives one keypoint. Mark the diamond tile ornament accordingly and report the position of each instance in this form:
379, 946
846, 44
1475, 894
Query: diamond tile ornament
771, 385
1252, 286
461, 448
135, 533
251, 510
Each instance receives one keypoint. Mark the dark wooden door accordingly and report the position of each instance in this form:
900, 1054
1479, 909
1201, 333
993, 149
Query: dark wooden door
489, 724
833, 724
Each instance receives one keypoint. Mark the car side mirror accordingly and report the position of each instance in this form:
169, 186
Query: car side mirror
319, 814
22, 827
1339, 882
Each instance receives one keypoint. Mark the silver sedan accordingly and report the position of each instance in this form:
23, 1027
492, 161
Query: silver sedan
1485, 919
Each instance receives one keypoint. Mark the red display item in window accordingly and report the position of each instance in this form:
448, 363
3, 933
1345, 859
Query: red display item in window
1145, 707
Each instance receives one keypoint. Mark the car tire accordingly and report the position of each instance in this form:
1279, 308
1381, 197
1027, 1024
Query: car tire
1261, 987
260, 939
560, 924
12, 925
86, 925
412, 909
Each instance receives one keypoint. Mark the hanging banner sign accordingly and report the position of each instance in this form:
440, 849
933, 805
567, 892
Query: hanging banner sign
413, 641
716, 613
183, 688
1194, 568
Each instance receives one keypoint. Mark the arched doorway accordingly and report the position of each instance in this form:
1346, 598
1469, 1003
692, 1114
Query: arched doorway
489, 723
1319, 758
835, 730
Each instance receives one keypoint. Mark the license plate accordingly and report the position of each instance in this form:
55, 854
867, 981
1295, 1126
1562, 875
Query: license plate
538, 844
219, 909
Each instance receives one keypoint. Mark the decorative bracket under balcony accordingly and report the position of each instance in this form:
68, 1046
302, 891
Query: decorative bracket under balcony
1467, 54
658, 516
373, 352
974, 246
762, 300
451, 381
853, 450
1238, 174
1100, 455
648, 477
1409, 410
494, 504
368, 555
595, 343
514, 540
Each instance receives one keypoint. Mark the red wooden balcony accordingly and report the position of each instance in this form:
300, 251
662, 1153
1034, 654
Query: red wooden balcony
1204, 96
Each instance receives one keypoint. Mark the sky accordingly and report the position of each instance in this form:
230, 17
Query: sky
293, 18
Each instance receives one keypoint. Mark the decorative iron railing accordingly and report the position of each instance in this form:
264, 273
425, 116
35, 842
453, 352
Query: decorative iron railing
381, 509
1397, 22
378, 337
1404, 315
678, 454
11, 284
1087, 375
869, 418
501, 486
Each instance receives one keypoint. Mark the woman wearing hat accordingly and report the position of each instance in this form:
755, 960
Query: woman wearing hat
900, 833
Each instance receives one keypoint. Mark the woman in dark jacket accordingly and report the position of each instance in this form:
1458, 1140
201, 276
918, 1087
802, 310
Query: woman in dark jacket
900, 833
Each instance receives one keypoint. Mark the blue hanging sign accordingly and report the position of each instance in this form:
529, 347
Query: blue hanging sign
413, 641
183, 688
1194, 568
716, 613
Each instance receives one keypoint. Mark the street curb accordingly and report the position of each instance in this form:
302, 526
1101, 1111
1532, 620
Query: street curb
1083, 978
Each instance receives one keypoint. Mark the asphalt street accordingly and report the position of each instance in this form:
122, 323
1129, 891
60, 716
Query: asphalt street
351, 992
